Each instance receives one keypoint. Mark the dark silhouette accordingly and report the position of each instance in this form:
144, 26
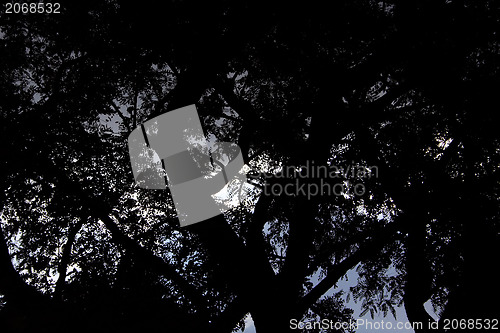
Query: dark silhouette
405, 90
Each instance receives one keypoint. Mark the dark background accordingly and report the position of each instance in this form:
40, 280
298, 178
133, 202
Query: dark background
408, 86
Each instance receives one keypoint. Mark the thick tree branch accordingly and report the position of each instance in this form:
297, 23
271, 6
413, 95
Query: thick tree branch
255, 241
300, 244
98, 209
370, 248
66, 256
417, 289
149, 260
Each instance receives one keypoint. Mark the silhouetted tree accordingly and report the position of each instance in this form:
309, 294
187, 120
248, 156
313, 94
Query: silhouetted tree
406, 89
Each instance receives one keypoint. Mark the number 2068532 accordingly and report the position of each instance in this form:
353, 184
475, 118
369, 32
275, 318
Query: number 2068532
32, 8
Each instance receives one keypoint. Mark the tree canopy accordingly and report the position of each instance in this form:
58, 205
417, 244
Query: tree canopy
404, 91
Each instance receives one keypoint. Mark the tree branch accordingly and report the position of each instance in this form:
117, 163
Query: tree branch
98, 209
65, 258
370, 248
